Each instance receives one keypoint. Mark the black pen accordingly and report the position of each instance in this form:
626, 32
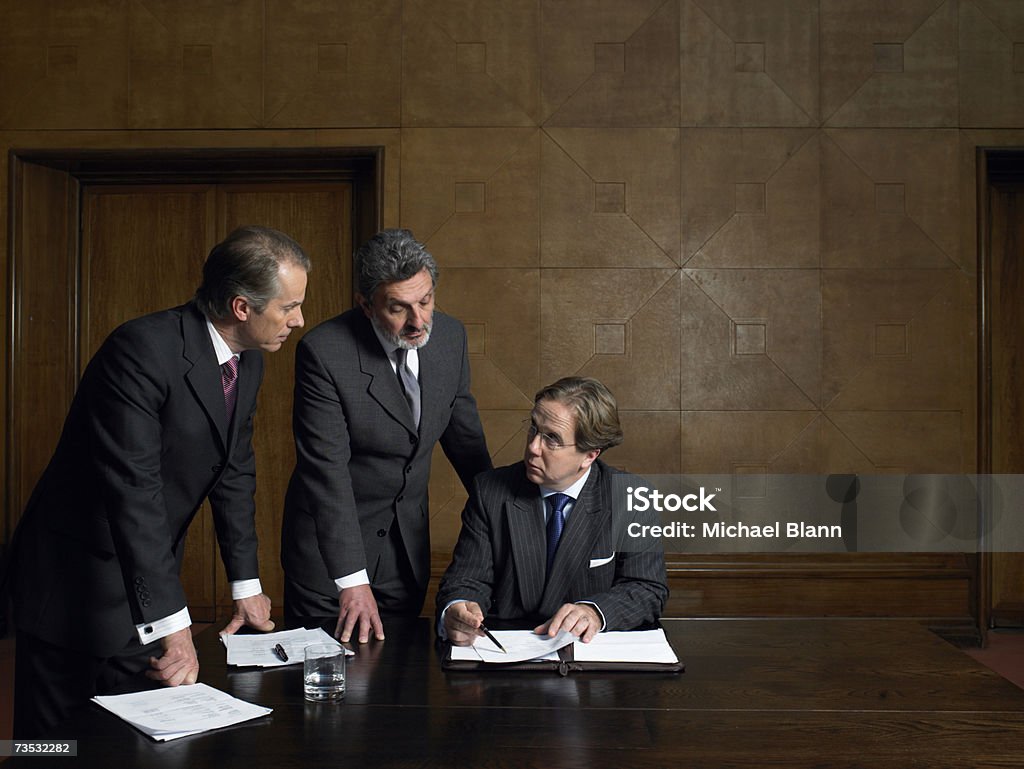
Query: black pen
493, 639
281, 652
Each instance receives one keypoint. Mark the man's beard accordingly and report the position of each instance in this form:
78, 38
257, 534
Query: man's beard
400, 341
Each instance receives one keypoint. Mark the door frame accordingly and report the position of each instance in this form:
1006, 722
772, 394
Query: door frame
45, 192
998, 169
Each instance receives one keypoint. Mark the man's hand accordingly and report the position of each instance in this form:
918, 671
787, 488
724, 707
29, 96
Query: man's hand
580, 619
357, 610
253, 611
462, 622
179, 663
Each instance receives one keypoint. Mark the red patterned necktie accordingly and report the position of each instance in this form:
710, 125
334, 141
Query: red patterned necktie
229, 380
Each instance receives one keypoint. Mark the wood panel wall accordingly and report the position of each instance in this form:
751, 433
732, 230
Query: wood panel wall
755, 222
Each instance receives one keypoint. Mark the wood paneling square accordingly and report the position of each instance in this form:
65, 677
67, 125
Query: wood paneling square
931, 305
65, 64
750, 197
196, 63
330, 64
863, 84
470, 62
787, 303
749, 63
646, 300
991, 63
583, 225
578, 89
443, 174
890, 199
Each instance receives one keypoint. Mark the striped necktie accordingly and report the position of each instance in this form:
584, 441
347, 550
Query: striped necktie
409, 384
229, 381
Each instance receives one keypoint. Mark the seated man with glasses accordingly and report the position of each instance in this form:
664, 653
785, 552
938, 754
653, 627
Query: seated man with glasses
539, 541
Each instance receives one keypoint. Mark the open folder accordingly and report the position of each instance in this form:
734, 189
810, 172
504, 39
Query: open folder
636, 650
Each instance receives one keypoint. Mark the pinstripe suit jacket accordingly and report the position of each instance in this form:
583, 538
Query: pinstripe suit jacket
499, 559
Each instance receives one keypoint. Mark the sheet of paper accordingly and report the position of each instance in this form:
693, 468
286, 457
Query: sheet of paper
521, 645
626, 646
169, 713
258, 648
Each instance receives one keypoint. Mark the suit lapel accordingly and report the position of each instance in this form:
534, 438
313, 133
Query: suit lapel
436, 358
383, 387
576, 543
529, 549
203, 376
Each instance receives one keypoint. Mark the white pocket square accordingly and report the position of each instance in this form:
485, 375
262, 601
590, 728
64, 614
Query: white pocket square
595, 562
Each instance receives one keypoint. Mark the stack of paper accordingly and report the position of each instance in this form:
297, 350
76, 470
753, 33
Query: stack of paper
166, 714
626, 646
259, 649
616, 646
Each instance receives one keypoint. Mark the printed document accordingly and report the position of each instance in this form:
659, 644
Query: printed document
521, 645
259, 649
615, 646
626, 646
173, 712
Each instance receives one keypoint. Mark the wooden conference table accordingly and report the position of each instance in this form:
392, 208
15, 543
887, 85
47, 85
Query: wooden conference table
756, 693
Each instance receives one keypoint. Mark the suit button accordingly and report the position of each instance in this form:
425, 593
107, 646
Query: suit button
216, 468
400, 499
146, 603
139, 580
408, 469
382, 532
412, 440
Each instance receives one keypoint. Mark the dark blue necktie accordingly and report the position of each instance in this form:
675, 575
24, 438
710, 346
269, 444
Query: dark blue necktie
556, 522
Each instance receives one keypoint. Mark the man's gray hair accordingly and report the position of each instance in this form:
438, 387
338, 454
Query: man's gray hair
245, 264
390, 256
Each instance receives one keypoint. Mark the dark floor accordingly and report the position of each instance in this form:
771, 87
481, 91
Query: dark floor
1004, 654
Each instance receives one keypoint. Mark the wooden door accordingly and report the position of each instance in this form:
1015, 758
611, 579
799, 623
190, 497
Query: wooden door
142, 250
1007, 372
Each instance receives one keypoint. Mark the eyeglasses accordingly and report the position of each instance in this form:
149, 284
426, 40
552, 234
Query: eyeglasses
550, 441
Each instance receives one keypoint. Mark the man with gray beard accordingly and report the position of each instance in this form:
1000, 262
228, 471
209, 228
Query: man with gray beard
375, 389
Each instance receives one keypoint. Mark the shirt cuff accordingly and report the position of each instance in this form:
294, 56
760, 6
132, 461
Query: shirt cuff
441, 632
154, 631
353, 580
600, 613
245, 588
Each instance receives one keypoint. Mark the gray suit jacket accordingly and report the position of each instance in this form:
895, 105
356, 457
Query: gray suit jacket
146, 440
361, 464
500, 557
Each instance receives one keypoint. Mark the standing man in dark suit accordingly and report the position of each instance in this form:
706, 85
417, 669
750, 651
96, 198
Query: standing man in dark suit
375, 389
539, 539
162, 420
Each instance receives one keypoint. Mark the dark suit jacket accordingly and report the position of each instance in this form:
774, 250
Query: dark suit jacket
500, 557
361, 465
146, 440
